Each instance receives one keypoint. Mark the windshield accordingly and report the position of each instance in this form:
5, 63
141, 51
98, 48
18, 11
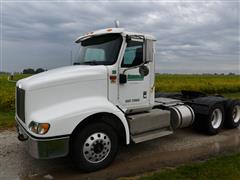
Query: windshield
100, 50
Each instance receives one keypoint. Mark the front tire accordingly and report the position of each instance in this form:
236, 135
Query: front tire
94, 147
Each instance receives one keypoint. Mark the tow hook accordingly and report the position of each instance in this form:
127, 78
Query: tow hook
21, 137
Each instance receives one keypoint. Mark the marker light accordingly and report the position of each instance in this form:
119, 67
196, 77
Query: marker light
113, 78
39, 128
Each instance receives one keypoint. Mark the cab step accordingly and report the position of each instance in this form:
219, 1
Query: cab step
151, 135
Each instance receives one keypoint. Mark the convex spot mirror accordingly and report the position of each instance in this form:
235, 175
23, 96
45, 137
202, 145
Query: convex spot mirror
143, 70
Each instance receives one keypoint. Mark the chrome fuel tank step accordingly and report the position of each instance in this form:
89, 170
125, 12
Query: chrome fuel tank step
149, 121
150, 125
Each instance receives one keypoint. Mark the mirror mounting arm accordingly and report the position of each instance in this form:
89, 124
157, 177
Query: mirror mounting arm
133, 67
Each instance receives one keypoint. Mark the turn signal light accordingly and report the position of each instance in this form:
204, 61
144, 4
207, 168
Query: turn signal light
113, 78
39, 128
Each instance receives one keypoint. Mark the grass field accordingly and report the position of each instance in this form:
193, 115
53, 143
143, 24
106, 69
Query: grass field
7, 100
225, 167
228, 85
210, 84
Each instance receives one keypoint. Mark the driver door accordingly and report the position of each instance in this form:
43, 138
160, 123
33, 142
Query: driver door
134, 94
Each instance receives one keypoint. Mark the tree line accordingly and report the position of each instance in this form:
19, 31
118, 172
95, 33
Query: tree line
32, 71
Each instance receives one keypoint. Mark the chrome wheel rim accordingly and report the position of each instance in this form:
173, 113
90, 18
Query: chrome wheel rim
216, 118
236, 113
97, 147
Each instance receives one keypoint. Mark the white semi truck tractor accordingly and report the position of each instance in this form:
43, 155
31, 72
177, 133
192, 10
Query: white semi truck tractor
108, 99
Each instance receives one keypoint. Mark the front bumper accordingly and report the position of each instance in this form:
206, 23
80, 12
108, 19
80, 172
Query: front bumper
43, 148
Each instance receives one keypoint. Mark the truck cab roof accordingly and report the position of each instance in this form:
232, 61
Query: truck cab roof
113, 31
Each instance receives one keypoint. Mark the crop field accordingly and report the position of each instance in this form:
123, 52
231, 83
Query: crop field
227, 85
210, 84
7, 100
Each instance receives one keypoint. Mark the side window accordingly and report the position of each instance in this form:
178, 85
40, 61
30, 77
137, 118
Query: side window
133, 55
94, 54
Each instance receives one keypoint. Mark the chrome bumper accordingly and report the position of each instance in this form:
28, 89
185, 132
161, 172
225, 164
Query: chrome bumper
40, 148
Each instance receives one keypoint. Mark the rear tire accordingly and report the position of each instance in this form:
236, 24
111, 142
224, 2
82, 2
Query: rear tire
215, 119
94, 147
232, 114
211, 123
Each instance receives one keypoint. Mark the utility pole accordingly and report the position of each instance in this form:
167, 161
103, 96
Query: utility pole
71, 61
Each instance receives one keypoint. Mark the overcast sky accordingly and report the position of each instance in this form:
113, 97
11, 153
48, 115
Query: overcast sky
193, 37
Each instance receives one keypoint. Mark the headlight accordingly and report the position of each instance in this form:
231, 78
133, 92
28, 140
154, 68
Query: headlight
39, 128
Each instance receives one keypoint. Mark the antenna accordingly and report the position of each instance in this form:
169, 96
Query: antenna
117, 23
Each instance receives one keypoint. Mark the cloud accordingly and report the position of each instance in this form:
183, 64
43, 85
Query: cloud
193, 37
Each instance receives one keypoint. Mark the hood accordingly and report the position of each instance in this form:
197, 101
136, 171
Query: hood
63, 75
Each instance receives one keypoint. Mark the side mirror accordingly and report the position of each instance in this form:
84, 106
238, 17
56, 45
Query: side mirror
143, 70
148, 50
122, 79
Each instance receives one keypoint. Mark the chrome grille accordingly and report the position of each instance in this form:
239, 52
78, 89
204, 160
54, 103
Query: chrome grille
21, 103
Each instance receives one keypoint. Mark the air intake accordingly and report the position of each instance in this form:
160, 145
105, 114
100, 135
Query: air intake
21, 103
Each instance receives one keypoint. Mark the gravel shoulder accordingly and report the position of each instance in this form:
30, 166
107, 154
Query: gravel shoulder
182, 147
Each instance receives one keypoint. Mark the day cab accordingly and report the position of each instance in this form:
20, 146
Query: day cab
107, 98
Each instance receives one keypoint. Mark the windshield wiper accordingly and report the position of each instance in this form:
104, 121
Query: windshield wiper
94, 62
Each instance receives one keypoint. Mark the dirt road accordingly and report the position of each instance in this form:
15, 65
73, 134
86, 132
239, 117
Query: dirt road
184, 146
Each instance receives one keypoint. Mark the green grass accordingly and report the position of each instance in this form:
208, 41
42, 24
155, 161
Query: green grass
225, 167
7, 100
205, 83
7, 92
7, 119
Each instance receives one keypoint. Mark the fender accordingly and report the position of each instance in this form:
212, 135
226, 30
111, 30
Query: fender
65, 117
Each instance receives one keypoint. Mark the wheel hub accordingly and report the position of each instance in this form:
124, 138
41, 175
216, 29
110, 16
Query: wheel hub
216, 118
96, 147
236, 113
